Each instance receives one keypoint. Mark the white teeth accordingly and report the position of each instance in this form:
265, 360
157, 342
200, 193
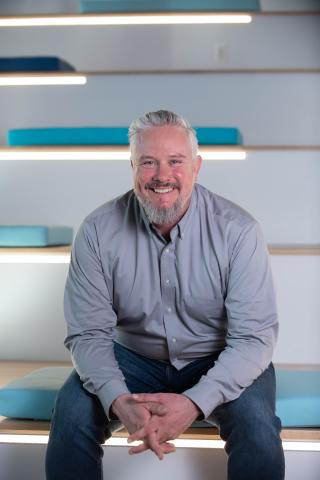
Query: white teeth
162, 190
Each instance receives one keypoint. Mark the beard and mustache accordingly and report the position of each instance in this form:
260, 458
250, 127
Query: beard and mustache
161, 216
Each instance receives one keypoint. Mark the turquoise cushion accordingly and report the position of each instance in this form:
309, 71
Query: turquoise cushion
33, 396
298, 398
218, 136
168, 5
69, 136
34, 235
109, 136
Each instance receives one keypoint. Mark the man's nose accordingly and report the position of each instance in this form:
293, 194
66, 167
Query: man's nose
162, 172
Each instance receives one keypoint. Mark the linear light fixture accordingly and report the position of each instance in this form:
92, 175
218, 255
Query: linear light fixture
34, 79
223, 155
100, 153
305, 446
34, 258
124, 19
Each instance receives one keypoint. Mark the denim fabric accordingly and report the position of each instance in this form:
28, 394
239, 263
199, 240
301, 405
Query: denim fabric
248, 424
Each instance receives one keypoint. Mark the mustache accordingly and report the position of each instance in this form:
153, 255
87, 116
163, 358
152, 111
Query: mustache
152, 185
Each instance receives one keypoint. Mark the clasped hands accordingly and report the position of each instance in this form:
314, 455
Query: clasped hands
155, 418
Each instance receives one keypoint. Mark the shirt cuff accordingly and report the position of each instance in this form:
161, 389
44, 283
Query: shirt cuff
109, 392
204, 398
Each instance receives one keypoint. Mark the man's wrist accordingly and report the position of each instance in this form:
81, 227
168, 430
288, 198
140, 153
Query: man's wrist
197, 409
116, 405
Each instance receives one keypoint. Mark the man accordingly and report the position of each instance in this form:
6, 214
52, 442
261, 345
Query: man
171, 318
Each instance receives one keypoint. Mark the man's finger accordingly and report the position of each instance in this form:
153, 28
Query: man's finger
165, 447
146, 397
138, 435
138, 449
157, 408
154, 445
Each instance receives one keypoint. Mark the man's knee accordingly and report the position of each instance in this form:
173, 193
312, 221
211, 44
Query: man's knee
76, 409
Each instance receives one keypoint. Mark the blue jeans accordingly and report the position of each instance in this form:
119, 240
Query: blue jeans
248, 425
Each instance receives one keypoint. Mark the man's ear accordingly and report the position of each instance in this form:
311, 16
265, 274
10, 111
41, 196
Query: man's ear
197, 165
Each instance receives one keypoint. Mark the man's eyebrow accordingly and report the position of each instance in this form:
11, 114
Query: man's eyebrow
146, 157
179, 155
151, 157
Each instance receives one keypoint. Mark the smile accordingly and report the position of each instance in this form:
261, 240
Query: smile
162, 190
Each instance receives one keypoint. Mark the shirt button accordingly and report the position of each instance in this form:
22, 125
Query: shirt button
167, 250
174, 340
167, 281
169, 309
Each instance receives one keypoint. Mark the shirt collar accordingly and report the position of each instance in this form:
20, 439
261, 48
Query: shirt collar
186, 219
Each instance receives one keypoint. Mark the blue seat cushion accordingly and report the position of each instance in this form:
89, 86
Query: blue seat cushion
34, 64
167, 6
33, 396
109, 136
34, 235
298, 397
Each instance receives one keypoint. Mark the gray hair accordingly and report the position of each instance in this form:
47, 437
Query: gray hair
158, 119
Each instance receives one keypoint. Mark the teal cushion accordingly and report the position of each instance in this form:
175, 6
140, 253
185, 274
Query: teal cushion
34, 235
168, 6
218, 136
298, 398
109, 136
69, 136
33, 396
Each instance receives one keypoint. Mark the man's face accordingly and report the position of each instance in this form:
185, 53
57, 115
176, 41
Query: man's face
164, 172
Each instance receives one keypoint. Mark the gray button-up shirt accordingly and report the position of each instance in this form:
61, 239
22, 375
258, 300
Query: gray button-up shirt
208, 290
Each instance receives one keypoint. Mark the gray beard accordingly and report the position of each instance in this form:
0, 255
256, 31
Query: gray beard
162, 216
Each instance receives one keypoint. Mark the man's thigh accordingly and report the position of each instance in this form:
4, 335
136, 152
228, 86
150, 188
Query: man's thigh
255, 408
142, 375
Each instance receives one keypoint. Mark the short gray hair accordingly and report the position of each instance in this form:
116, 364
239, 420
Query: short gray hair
158, 119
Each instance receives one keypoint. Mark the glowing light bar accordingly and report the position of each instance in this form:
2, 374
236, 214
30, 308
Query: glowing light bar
15, 153
34, 258
301, 446
179, 443
20, 80
26, 439
63, 155
124, 19
223, 155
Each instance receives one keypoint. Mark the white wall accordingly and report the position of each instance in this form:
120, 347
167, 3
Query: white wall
279, 188
26, 462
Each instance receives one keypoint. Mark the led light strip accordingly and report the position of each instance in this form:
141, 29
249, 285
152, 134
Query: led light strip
28, 154
29, 80
133, 19
179, 443
33, 258
225, 155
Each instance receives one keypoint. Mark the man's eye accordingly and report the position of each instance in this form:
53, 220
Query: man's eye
176, 162
147, 163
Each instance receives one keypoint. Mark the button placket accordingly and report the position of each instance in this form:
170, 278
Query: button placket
167, 272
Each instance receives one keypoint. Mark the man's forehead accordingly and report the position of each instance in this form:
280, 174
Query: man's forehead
173, 138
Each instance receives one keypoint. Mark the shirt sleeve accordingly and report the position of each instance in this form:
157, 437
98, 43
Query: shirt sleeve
91, 321
252, 325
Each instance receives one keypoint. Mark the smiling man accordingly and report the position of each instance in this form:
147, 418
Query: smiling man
165, 168
171, 317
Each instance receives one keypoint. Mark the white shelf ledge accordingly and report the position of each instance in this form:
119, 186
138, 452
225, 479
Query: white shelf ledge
116, 152
60, 255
